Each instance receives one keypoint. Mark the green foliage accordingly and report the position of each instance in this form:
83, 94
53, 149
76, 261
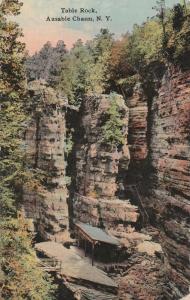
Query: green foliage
145, 44
69, 143
46, 64
98, 74
12, 114
85, 68
177, 48
74, 73
112, 129
7, 201
161, 14
178, 17
103, 64
127, 84
20, 275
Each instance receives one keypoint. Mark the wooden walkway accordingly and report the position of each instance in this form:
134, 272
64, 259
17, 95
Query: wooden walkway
75, 268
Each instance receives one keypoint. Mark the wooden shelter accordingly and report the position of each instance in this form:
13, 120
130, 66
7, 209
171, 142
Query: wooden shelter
95, 236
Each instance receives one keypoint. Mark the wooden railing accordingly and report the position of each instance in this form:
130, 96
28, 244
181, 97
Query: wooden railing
50, 264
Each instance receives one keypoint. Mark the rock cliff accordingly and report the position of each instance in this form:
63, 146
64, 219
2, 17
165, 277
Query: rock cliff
99, 169
169, 189
46, 200
138, 114
164, 174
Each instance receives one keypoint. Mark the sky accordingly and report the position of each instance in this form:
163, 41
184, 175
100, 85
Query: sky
123, 15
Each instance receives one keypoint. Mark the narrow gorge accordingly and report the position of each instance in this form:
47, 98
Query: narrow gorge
138, 192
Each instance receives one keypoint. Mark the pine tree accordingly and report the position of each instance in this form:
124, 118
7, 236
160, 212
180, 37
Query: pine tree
75, 66
12, 115
98, 75
161, 8
47, 63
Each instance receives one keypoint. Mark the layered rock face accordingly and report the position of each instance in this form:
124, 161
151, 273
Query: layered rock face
46, 201
113, 214
138, 147
98, 168
97, 163
160, 169
138, 113
169, 191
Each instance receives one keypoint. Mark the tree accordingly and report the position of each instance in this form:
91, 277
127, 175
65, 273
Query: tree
178, 17
20, 276
12, 115
185, 6
74, 72
98, 75
144, 45
47, 63
161, 8
178, 43
119, 65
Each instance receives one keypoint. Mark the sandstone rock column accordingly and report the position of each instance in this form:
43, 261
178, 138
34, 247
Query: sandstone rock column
46, 201
99, 165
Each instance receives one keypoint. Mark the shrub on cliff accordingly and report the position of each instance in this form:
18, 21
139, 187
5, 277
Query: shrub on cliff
20, 275
112, 129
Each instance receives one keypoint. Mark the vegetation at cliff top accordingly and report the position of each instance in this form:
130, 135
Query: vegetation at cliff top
105, 64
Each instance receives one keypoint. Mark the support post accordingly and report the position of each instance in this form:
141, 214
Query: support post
92, 254
85, 245
78, 244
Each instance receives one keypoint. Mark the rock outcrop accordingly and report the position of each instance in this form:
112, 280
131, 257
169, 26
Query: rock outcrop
114, 215
143, 279
98, 163
159, 135
169, 189
100, 168
137, 136
46, 200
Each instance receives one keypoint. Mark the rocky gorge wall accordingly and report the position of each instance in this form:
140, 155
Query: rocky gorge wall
138, 114
164, 173
169, 190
